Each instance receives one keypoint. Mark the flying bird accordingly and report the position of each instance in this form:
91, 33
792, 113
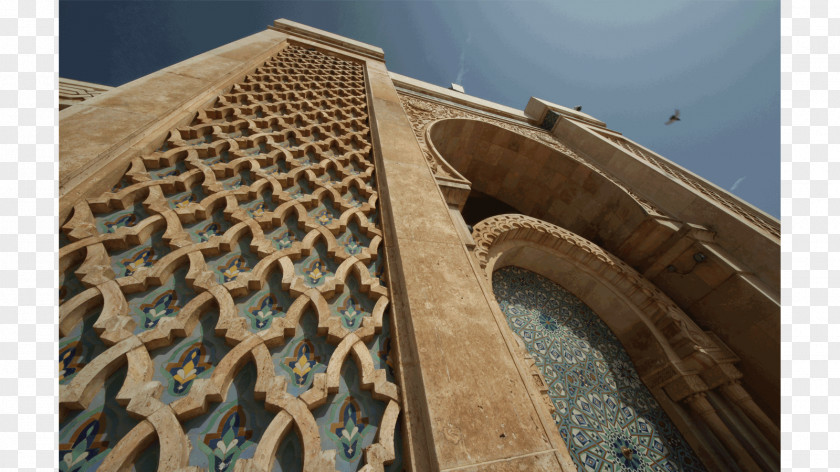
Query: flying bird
674, 117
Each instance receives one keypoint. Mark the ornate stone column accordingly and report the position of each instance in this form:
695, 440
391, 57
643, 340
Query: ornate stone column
700, 405
735, 393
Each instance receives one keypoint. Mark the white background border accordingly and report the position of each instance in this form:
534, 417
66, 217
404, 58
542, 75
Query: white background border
811, 226
28, 234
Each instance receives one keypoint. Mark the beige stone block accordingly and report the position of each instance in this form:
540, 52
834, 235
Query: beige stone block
206, 67
399, 143
742, 319
157, 94
419, 210
92, 133
457, 97
475, 416
382, 88
321, 36
251, 47
541, 461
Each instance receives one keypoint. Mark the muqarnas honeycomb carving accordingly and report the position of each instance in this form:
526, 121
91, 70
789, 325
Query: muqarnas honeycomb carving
225, 304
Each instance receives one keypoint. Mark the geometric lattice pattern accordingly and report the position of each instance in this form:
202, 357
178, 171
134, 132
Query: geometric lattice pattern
607, 417
225, 302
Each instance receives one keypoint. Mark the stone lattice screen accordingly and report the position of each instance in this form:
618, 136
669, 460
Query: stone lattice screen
224, 305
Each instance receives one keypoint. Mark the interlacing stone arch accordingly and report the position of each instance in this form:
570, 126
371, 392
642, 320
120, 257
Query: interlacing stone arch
430, 120
225, 300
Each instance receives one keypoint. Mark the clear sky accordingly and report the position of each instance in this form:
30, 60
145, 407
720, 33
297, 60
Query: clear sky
629, 64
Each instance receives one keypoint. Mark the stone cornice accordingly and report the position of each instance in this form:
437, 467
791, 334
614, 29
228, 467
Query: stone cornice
296, 29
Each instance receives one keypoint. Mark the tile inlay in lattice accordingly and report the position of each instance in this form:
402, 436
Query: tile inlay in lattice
226, 299
608, 418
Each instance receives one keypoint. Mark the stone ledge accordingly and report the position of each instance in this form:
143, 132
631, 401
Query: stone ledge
538, 109
460, 98
297, 29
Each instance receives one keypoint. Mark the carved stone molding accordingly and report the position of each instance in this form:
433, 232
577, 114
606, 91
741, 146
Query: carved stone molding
722, 198
72, 92
696, 351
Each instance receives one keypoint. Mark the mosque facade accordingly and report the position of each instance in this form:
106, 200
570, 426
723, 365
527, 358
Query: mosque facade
278, 255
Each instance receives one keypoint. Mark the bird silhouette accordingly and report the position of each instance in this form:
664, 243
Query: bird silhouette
578, 108
674, 117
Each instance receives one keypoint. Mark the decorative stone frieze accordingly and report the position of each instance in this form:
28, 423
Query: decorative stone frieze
722, 198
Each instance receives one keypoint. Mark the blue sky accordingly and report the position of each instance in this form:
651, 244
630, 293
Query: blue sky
629, 64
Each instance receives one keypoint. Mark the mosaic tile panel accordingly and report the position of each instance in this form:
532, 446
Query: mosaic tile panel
178, 365
213, 285
78, 348
202, 230
348, 422
303, 356
130, 260
148, 308
608, 418
231, 430
86, 437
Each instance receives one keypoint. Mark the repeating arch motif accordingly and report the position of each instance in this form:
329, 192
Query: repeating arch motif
234, 274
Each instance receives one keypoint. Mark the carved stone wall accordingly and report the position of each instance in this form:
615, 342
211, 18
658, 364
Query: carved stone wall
225, 304
732, 290
683, 337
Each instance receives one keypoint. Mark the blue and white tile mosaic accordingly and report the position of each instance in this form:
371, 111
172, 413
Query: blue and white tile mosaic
194, 357
608, 418
111, 222
80, 346
87, 436
203, 230
228, 266
352, 305
149, 307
